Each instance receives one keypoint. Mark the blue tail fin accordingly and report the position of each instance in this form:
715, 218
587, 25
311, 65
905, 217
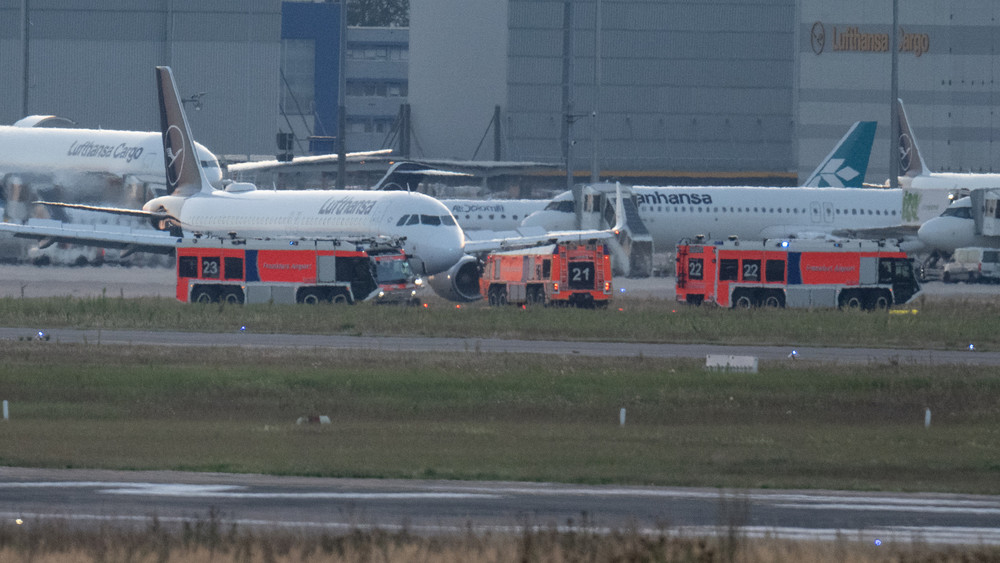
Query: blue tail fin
847, 165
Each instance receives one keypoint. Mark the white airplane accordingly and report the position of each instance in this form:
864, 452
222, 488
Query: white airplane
429, 232
673, 213
82, 165
973, 220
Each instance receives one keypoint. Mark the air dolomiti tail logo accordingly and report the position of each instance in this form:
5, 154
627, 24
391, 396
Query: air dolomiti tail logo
660, 198
173, 150
834, 174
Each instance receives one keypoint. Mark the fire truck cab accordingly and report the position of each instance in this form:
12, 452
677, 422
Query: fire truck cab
274, 270
795, 273
559, 274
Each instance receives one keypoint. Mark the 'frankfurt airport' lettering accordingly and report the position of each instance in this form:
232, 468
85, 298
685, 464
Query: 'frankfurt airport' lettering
347, 206
96, 150
659, 198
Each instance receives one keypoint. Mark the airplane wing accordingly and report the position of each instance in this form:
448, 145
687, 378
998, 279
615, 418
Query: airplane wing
518, 239
48, 231
139, 213
897, 232
486, 241
299, 163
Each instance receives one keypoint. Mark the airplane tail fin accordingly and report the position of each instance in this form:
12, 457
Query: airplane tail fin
847, 164
185, 176
911, 162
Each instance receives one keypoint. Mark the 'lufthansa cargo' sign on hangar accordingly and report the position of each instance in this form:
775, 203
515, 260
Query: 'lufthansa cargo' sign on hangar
852, 39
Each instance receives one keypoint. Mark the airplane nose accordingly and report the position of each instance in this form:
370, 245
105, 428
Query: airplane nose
945, 233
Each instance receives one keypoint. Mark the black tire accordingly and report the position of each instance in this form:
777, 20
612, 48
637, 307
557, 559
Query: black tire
774, 299
232, 296
312, 296
946, 278
881, 301
851, 300
340, 298
501, 296
492, 296
695, 300
742, 300
204, 294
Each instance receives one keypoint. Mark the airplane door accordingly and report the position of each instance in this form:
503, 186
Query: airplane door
815, 212
827, 212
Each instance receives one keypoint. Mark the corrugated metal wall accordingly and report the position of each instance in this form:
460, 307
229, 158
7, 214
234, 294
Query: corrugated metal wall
94, 65
951, 91
685, 86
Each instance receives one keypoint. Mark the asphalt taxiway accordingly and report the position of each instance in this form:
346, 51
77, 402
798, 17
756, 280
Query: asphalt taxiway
86, 497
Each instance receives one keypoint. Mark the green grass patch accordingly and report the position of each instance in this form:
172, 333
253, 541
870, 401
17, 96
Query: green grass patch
938, 324
482, 416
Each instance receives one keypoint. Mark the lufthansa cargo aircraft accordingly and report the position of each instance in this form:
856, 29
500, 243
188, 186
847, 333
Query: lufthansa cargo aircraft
82, 165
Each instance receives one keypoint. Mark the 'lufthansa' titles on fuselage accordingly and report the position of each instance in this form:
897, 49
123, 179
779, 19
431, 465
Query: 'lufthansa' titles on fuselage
347, 206
97, 150
660, 198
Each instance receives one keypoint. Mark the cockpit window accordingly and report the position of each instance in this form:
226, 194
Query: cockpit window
430, 220
562, 206
414, 220
448, 220
960, 212
402, 220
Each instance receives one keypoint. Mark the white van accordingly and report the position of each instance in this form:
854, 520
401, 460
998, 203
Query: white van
973, 264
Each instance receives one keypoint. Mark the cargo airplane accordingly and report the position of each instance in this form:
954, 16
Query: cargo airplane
428, 230
82, 165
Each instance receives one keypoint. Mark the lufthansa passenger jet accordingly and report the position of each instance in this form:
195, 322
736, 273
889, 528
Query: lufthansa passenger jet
430, 235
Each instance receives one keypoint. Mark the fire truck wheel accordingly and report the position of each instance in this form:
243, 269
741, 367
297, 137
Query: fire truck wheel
232, 296
311, 296
501, 297
339, 299
742, 300
774, 300
536, 296
492, 297
851, 300
203, 295
881, 301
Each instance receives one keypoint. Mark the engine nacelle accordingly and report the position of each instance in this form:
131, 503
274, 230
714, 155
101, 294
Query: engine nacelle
460, 282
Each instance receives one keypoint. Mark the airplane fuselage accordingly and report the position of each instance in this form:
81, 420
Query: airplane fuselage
44, 150
431, 235
673, 213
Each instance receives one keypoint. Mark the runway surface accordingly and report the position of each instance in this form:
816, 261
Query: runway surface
85, 497
494, 345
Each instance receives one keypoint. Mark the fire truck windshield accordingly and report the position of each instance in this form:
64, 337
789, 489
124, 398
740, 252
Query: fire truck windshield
393, 270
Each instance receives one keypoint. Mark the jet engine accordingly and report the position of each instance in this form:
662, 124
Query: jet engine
460, 282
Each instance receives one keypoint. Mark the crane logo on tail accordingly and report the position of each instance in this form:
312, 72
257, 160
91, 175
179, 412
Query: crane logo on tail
905, 153
173, 141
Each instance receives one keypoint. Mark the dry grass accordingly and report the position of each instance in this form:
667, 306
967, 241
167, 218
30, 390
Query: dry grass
214, 540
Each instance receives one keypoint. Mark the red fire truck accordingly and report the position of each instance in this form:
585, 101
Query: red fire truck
275, 270
795, 273
570, 274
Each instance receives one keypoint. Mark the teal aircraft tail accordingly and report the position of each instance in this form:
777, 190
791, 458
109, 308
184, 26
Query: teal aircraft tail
846, 165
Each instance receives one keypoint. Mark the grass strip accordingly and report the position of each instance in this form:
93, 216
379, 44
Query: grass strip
483, 416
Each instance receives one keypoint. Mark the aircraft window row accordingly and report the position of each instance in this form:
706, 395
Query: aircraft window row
432, 220
785, 210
